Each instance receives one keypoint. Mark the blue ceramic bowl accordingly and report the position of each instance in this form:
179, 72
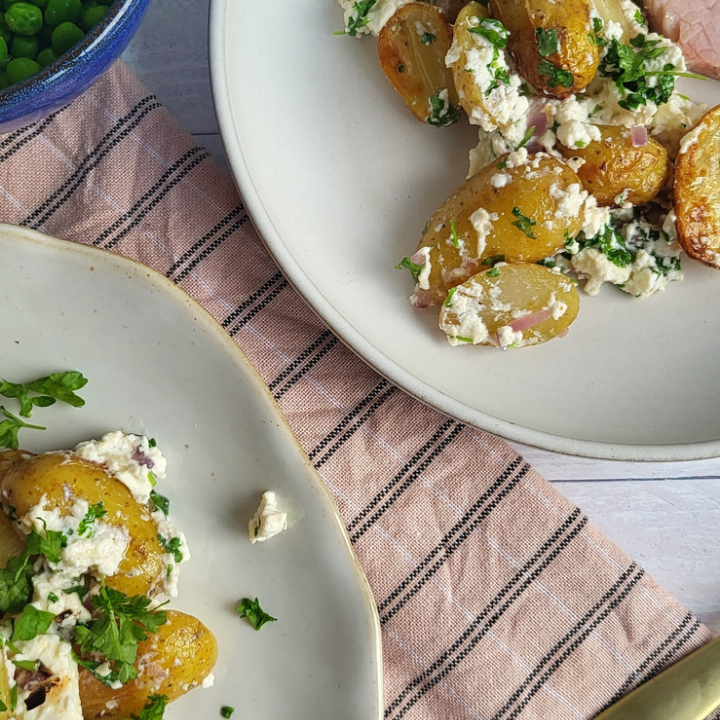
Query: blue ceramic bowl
74, 72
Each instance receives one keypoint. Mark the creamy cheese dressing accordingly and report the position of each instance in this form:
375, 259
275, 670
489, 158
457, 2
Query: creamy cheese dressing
269, 519
377, 17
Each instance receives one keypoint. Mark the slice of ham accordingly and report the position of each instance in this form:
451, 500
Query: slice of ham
695, 26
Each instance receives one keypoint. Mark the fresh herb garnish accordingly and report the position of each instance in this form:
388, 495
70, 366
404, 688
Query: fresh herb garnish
448, 299
526, 138
226, 711
493, 272
160, 502
31, 623
427, 38
524, 223
547, 41
10, 427
121, 623
597, 24
442, 111
46, 391
95, 512
255, 615
556, 76
52, 597
172, 547
453, 234
414, 268
492, 30
154, 709
492, 260
611, 244
360, 19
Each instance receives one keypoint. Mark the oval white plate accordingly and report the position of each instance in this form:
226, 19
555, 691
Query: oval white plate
340, 181
158, 364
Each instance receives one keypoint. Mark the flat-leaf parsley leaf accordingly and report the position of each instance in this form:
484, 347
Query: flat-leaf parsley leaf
255, 615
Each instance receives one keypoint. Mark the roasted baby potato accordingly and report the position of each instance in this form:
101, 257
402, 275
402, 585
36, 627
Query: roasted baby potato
174, 660
58, 479
450, 8
617, 171
412, 48
510, 306
487, 92
612, 11
515, 214
552, 42
696, 190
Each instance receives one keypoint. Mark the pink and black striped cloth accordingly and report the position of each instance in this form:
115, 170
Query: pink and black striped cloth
498, 598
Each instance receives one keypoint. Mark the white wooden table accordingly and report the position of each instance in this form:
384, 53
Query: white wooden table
665, 515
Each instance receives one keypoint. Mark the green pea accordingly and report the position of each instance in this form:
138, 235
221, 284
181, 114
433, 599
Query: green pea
21, 68
92, 16
4, 56
5, 33
65, 35
25, 47
24, 18
60, 11
46, 56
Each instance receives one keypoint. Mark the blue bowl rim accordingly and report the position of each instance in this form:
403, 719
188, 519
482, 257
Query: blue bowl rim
51, 75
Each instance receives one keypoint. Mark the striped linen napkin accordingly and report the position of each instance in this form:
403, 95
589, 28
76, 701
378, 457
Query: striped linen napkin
498, 599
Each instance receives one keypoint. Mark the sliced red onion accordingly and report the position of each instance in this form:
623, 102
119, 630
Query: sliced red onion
533, 145
418, 258
421, 299
639, 136
528, 321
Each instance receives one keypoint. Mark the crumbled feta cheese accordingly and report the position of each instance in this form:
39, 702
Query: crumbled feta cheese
597, 269
482, 221
129, 458
508, 338
570, 200
463, 323
269, 520
500, 180
423, 280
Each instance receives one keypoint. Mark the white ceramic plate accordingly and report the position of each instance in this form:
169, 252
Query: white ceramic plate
158, 364
340, 181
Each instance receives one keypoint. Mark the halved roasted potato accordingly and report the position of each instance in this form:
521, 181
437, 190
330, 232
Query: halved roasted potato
513, 213
696, 190
510, 306
412, 48
617, 171
552, 42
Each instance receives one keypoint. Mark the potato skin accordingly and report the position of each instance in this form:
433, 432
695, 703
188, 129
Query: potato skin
527, 188
519, 287
63, 476
696, 190
183, 638
577, 53
414, 68
613, 164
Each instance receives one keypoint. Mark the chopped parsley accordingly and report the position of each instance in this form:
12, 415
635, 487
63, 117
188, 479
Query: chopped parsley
428, 38
594, 37
492, 30
154, 709
226, 711
172, 547
639, 18
556, 76
442, 111
524, 223
493, 272
414, 268
360, 19
401, 68
498, 73
547, 41
160, 502
462, 338
52, 597
492, 260
611, 244
95, 512
120, 624
255, 615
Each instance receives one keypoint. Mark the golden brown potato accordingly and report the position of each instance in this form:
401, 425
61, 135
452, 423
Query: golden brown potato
176, 659
696, 190
552, 42
412, 48
510, 306
613, 165
487, 93
62, 477
515, 214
